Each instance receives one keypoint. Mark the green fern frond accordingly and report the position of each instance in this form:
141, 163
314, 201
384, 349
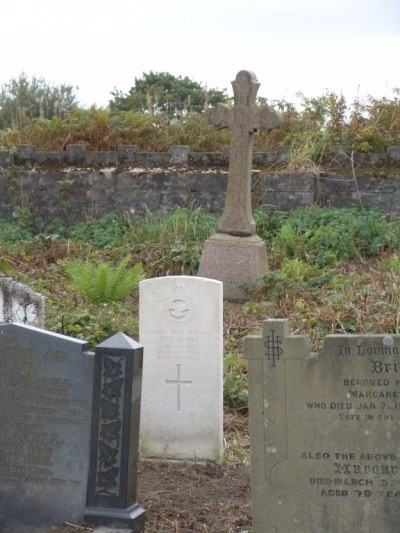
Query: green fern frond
102, 282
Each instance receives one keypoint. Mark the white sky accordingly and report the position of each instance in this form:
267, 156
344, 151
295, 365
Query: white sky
309, 46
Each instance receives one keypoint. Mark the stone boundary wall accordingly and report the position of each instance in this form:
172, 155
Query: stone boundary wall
78, 185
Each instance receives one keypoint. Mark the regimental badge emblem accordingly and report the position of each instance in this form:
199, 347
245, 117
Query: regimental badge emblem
178, 308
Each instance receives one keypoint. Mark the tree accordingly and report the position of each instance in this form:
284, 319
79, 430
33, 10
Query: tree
23, 99
161, 92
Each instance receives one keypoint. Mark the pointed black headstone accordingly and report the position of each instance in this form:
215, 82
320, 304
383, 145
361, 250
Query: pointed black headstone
111, 496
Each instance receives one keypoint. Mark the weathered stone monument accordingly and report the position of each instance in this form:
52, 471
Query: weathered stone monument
324, 432
180, 320
18, 303
46, 384
235, 255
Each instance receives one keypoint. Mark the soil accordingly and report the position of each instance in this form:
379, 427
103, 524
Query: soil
183, 497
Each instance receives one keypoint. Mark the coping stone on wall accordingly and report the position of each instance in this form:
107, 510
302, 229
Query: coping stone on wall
45, 158
394, 153
127, 153
5, 157
208, 159
23, 154
101, 158
179, 154
75, 153
153, 159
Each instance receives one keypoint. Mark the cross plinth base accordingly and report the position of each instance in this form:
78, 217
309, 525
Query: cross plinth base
236, 261
132, 518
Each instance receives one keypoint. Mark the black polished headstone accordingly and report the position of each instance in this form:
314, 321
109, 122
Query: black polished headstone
45, 413
111, 496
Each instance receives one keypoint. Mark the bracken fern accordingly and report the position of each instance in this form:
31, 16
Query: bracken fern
103, 283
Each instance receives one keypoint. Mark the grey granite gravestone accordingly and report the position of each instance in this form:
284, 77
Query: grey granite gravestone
111, 496
235, 255
324, 432
45, 411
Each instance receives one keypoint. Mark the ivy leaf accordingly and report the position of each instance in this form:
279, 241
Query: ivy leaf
107, 479
109, 410
113, 388
112, 369
110, 431
107, 454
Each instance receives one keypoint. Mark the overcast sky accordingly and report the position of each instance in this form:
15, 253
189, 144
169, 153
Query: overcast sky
309, 46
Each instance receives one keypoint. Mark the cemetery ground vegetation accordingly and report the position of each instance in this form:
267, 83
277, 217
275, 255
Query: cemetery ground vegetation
330, 271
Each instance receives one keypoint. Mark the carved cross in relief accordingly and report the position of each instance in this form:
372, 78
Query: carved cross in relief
244, 119
178, 382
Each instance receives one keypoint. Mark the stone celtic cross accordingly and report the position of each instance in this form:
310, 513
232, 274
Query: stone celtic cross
244, 120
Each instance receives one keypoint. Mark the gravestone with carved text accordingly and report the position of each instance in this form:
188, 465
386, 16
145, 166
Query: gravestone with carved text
324, 432
45, 413
235, 255
180, 322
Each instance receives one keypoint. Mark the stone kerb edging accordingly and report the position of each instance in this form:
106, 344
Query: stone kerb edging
181, 156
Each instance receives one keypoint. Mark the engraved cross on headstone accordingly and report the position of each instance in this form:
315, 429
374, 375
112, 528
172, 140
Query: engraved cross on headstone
178, 382
244, 119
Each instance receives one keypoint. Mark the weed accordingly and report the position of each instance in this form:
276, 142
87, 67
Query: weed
235, 382
107, 231
327, 235
14, 231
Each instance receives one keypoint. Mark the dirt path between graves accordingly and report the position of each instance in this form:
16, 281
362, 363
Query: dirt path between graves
186, 497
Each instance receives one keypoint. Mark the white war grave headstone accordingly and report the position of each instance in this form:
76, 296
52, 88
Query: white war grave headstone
180, 321
235, 255
324, 432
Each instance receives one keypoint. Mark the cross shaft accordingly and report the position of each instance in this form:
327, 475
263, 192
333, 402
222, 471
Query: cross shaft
244, 120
